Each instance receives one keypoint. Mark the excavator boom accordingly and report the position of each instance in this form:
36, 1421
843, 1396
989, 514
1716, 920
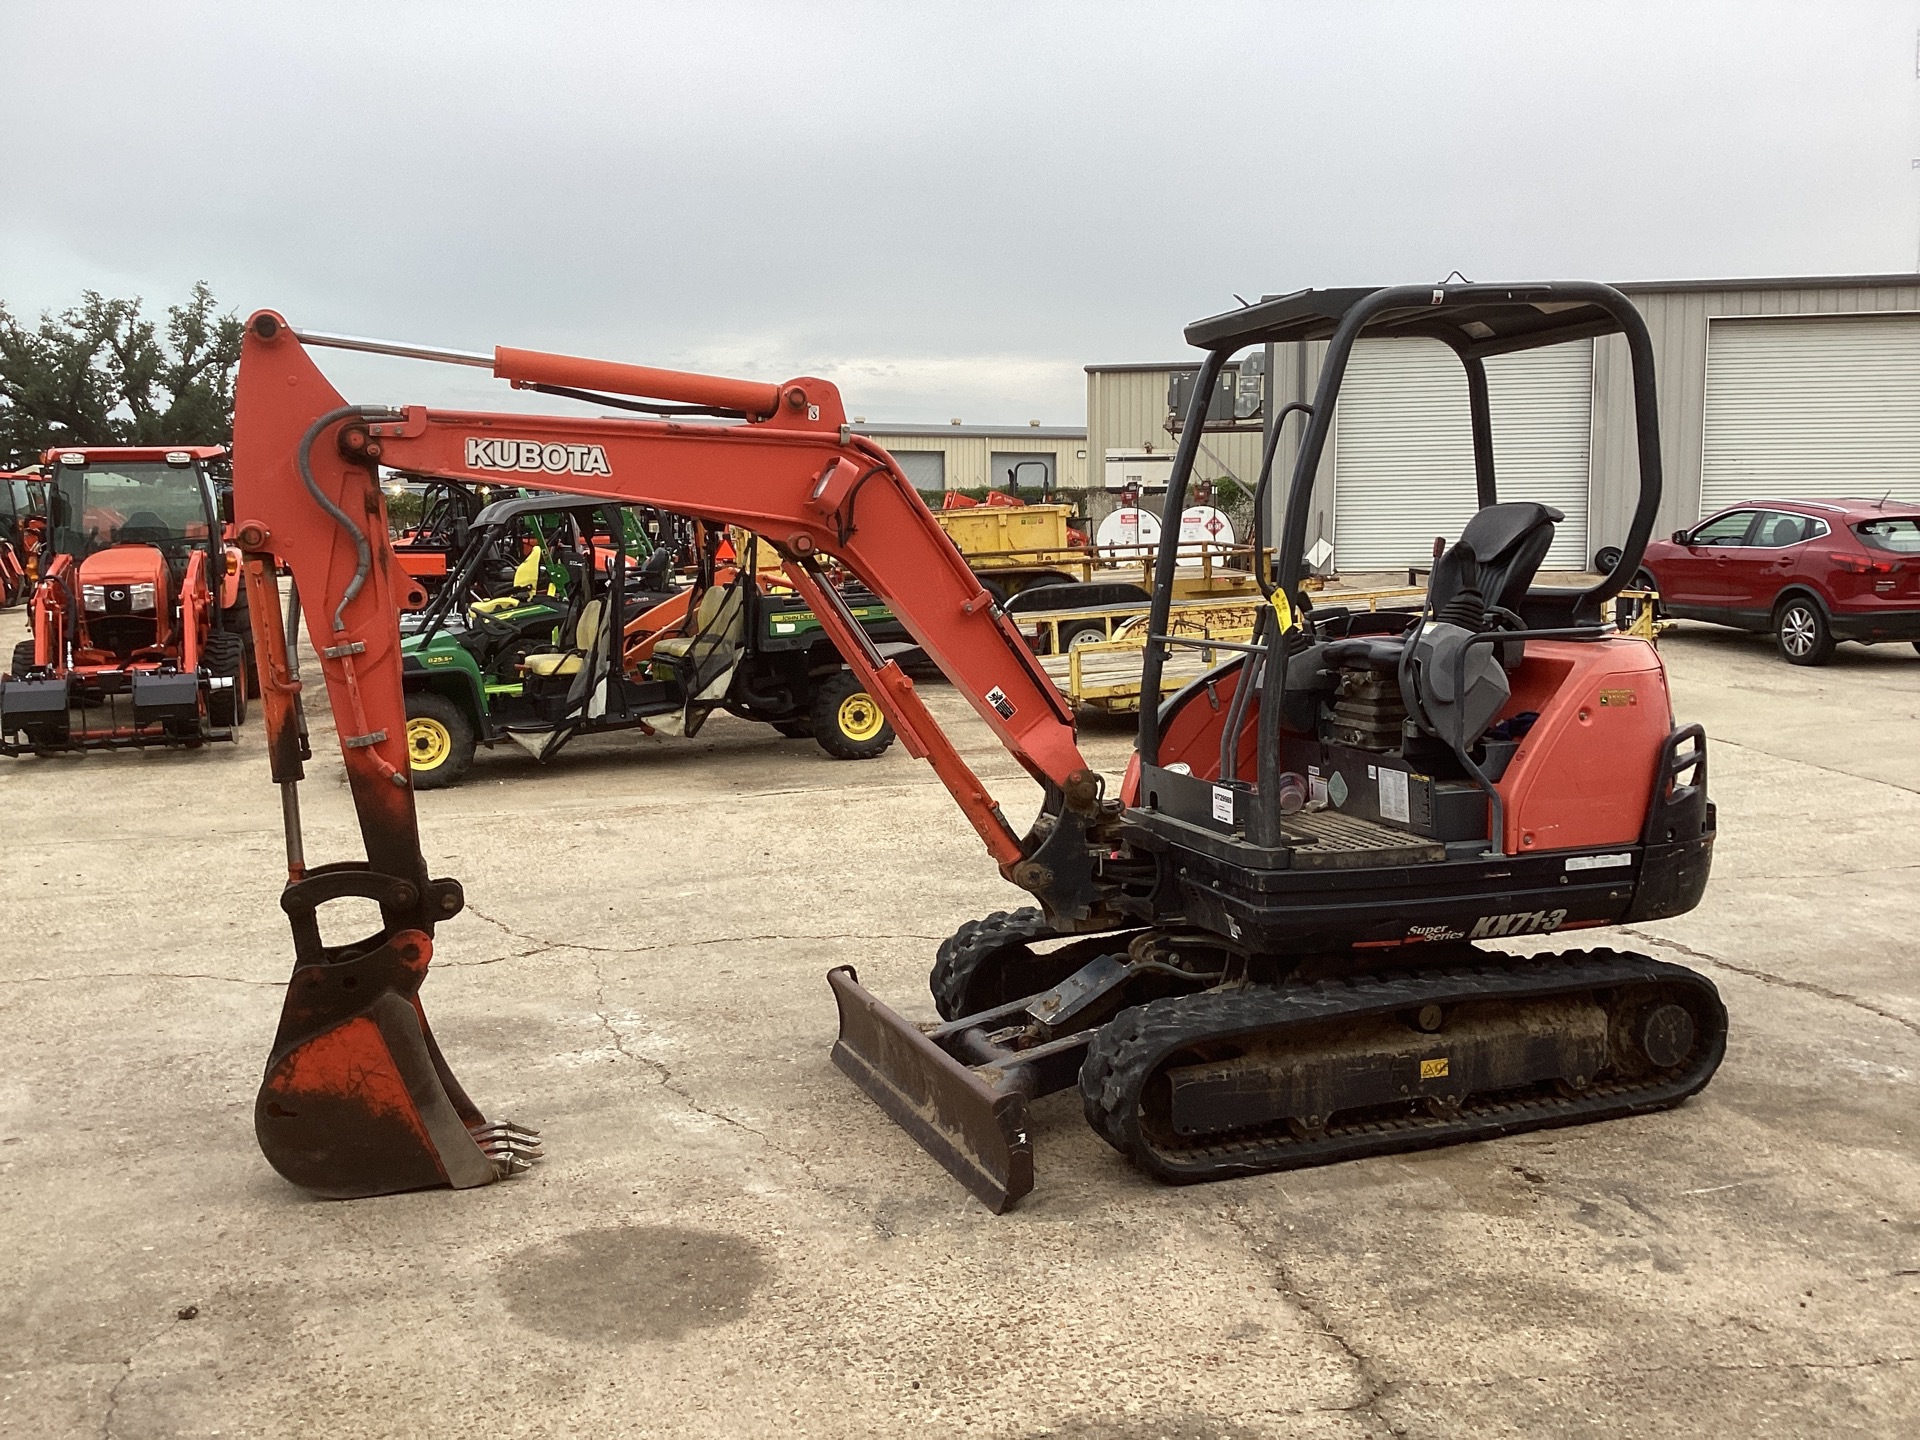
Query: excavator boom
306, 494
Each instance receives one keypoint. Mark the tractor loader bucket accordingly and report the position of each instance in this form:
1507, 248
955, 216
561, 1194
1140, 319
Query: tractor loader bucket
357, 1099
973, 1121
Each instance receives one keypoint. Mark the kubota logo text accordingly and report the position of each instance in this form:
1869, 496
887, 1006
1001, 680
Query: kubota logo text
533, 455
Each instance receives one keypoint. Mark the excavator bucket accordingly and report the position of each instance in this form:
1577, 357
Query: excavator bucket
357, 1099
973, 1121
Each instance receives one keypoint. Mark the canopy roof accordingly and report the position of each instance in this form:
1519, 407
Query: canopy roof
1473, 319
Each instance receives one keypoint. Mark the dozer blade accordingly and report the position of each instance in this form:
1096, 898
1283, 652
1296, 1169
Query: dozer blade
977, 1131
357, 1099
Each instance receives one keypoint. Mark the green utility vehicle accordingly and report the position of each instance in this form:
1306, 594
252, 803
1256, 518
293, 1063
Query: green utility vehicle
583, 642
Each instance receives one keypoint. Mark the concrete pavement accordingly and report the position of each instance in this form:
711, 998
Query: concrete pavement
727, 1239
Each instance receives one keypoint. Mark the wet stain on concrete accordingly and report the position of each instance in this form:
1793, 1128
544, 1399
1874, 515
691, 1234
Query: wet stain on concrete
632, 1282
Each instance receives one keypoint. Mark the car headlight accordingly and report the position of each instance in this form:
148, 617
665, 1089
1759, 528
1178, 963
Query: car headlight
94, 597
141, 596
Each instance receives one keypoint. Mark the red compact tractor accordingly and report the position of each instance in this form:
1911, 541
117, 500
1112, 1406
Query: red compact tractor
139, 628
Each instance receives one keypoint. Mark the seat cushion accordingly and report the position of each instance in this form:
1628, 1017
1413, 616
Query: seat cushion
555, 664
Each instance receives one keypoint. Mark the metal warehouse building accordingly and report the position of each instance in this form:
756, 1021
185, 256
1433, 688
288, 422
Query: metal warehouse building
1781, 387
972, 457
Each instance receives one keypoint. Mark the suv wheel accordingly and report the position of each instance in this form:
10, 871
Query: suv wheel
1801, 631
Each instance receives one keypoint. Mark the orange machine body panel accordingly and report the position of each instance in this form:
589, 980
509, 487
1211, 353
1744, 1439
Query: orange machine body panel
1583, 776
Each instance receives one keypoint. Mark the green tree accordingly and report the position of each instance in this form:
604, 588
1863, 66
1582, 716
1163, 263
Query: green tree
101, 373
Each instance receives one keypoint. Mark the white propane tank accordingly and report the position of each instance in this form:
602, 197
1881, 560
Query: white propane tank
1128, 533
1203, 525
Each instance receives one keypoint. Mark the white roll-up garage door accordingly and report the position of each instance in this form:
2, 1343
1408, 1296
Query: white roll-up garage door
1811, 407
927, 469
1403, 448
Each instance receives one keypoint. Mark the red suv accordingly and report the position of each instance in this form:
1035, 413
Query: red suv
1811, 572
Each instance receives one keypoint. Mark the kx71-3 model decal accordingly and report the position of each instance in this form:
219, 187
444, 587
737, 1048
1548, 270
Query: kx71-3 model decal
1527, 922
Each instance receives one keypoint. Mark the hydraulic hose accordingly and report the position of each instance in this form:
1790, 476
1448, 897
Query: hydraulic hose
362, 547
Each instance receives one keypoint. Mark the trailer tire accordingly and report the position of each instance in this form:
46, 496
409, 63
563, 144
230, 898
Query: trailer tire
22, 659
1087, 632
848, 723
226, 659
440, 740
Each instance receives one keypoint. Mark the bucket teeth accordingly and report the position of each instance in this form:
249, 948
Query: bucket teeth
512, 1148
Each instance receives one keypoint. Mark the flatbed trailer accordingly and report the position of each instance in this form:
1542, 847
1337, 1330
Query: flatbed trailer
1104, 674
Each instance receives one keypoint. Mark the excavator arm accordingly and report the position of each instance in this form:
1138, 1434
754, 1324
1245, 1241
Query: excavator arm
357, 1099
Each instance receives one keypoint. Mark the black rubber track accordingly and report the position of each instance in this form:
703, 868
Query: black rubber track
1127, 1053
988, 962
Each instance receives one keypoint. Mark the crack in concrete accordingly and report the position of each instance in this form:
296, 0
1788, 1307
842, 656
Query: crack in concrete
543, 944
664, 1073
136, 975
1825, 874
126, 1373
1828, 769
1704, 1367
1376, 1387
1767, 977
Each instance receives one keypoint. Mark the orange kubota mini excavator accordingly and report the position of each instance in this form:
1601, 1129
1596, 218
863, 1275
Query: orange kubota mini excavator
1265, 946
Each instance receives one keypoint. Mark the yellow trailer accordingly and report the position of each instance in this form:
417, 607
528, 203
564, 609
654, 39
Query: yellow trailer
1104, 674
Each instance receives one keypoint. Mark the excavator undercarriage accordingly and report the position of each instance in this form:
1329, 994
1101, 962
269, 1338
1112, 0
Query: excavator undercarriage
1268, 948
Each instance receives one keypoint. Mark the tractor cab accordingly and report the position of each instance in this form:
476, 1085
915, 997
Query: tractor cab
132, 522
138, 600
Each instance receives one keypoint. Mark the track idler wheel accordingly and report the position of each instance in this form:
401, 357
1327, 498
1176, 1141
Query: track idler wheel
357, 1099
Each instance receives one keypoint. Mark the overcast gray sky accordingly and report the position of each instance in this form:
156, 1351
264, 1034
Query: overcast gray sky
947, 209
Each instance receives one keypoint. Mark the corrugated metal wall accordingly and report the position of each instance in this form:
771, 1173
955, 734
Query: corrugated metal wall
968, 455
1677, 323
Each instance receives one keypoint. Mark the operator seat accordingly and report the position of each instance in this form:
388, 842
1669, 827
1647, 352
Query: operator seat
530, 578
709, 652
586, 631
143, 527
1496, 556
653, 571
1486, 571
